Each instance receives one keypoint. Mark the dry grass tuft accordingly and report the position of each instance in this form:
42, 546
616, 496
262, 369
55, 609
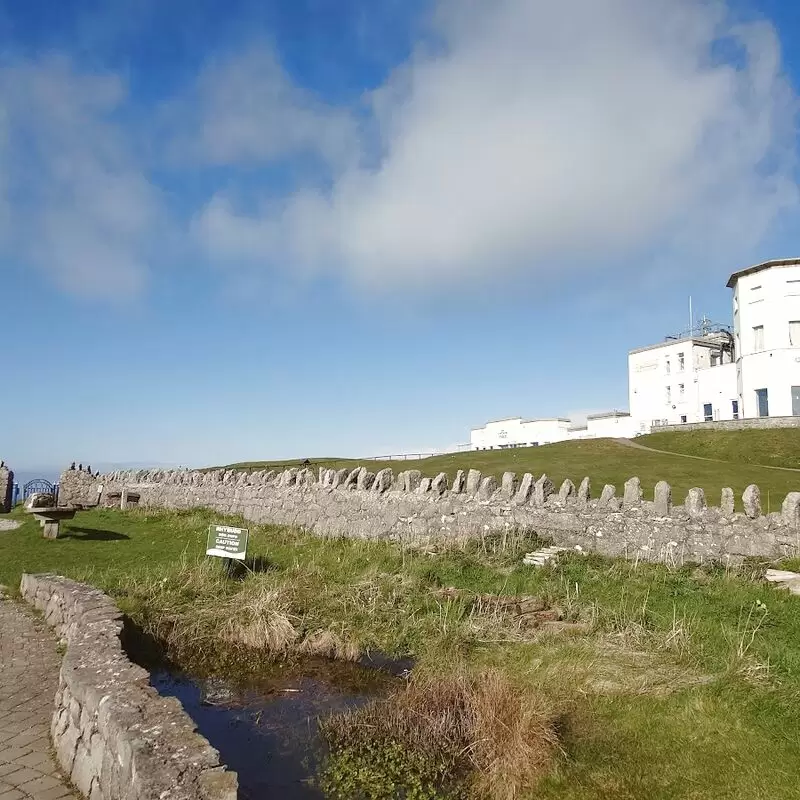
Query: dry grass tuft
481, 728
326, 644
258, 619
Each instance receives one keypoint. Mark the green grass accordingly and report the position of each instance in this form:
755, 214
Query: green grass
687, 684
776, 448
604, 461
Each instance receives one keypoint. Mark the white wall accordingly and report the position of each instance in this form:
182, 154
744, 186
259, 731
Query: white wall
770, 298
661, 390
612, 427
717, 386
517, 432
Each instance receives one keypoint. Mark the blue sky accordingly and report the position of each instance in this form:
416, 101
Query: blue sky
284, 228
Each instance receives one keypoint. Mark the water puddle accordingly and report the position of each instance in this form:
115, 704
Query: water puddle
266, 730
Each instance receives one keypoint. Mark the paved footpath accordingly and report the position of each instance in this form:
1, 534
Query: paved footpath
29, 666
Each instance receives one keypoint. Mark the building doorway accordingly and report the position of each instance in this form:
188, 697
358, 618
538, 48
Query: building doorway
762, 400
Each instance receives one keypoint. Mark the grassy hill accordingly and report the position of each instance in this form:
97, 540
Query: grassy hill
603, 460
777, 448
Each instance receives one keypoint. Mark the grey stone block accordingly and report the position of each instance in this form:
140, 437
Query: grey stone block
584, 492
525, 489
662, 499
726, 505
567, 491
695, 502
474, 478
790, 510
508, 485
542, 489
751, 500
439, 484
632, 495
487, 488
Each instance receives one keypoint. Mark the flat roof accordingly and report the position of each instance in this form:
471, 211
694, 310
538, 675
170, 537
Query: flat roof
776, 262
523, 421
699, 340
608, 414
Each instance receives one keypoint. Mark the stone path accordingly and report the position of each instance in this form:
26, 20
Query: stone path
9, 524
29, 666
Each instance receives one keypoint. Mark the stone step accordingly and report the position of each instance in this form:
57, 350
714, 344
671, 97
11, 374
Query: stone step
540, 557
784, 579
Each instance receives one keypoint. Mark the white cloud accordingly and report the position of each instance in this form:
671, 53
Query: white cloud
245, 109
77, 205
533, 135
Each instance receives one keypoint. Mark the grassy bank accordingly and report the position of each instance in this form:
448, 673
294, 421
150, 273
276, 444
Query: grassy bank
776, 448
604, 461
659, 683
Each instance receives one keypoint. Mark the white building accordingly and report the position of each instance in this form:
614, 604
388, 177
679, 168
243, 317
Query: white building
518, 432
708, 374
766, 326
684, 379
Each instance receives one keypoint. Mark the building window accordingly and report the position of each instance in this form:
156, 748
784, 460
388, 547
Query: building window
794, 333
708, 413
796, 401
762, 400
716, 359
669, 395
666, 364
681, 390
683, 417
735, 408
758, 338
681, 362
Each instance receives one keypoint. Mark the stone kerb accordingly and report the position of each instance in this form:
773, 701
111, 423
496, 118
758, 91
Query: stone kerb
113, 735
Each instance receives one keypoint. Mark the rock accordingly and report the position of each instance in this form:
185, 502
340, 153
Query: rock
607, 496
439, 484
695, 502
542, 489
508, 485
487, 488
424, 486
523, 494
726, 505
40, 500
567, 491
662, 499
339, 477
790, 510
473, 482
365, 480
632, 494
413, 479
459, 482
751, 499
784, 579
351, 481
383, 481
585, 492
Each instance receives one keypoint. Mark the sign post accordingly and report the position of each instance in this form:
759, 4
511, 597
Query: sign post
228, 543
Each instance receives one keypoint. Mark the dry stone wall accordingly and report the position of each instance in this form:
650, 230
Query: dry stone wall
113, 735
417, 510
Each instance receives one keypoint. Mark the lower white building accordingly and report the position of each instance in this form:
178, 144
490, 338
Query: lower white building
518, 432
